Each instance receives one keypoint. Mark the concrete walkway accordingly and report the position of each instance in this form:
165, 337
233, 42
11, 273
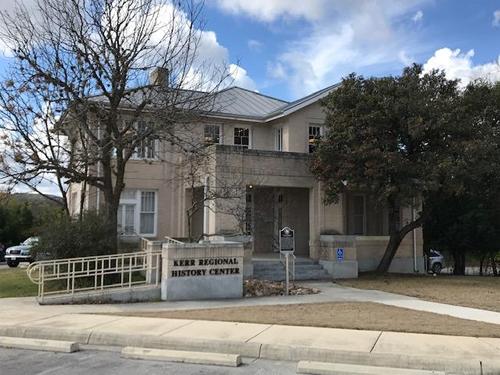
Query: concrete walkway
330, 292
459, 355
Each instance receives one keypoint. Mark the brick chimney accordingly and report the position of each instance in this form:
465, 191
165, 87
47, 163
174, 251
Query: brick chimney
159, 76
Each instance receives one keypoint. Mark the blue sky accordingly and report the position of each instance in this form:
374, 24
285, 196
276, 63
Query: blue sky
290, 48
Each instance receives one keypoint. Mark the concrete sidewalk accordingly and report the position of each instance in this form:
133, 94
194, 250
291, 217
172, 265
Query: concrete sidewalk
330, 292
457, 355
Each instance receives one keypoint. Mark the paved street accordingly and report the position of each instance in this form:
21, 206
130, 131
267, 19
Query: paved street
19, 362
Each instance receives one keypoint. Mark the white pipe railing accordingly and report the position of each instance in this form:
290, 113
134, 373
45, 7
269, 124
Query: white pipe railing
93, 274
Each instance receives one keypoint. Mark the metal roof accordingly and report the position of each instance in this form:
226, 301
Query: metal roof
235, 102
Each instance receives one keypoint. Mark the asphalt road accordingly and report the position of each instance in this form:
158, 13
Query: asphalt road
21, 362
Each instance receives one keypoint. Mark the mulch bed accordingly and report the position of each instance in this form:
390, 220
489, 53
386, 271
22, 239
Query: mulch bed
265, 288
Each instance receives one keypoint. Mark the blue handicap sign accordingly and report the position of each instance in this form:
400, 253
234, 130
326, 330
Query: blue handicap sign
340, 254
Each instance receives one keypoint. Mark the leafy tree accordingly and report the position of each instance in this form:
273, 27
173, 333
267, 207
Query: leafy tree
389, 137
16, 222
64, 237
466, 220
462, 225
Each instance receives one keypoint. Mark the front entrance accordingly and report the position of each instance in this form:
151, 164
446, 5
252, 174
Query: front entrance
270, 209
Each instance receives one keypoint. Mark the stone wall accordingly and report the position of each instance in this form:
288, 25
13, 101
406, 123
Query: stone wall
202, 271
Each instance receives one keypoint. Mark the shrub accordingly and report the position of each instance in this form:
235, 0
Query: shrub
62, 237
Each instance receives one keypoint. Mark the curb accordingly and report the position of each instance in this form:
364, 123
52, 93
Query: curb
323, 368
463, 365
200, 358
38, 344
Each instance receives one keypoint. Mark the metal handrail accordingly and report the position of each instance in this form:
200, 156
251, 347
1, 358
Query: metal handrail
171, 240
72, 275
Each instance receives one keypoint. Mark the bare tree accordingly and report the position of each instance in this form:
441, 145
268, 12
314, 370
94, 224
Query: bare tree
77, 88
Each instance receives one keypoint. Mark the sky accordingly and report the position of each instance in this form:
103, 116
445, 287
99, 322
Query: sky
291, 48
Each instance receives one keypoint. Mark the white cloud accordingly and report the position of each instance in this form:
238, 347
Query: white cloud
418, 16
254, 45
338, 37
460, 66
276, 70
496, 18
239, 77
270, 10
405, 59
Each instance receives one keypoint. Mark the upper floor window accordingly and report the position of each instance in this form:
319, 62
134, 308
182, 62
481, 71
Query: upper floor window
211, 134
279, 139
314, 136
147, 147
242, 137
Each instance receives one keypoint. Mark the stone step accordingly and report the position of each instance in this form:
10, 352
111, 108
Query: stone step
279, 276
281, 268
323, 368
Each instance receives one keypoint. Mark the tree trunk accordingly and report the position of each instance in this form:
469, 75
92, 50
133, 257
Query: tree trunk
459, 263
494, 266
394, 241
481, 265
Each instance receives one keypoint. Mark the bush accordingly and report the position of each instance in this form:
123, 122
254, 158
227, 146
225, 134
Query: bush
62, 237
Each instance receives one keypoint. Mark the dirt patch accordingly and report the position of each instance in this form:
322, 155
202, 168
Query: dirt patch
264, 288
362, 315
471, 291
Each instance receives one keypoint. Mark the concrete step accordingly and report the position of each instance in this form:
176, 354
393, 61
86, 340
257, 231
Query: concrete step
324, 368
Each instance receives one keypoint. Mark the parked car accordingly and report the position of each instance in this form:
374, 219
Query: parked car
20, 253
435, 261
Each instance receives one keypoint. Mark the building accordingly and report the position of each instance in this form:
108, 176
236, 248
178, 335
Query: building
263, 145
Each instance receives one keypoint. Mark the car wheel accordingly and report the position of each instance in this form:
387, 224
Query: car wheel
12, 263
436, 268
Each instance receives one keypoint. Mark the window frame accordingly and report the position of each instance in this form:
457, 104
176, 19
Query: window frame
135, 200
219, 135
248, 129
147, 152
312, 139
278, 139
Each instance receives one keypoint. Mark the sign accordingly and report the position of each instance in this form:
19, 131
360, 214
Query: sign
340, 254
287, 240
205, 267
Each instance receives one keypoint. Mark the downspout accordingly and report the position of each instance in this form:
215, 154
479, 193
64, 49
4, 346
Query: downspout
415, 268
205, 209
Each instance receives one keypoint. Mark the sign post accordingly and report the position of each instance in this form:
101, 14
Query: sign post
287, 248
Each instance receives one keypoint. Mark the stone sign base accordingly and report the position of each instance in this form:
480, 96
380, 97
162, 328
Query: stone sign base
202, 271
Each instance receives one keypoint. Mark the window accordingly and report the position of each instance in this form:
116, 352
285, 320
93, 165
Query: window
242, 137
147, 212
212, 134
126, 219
137, 213
356, 214
279, 139
314, 136
146, 149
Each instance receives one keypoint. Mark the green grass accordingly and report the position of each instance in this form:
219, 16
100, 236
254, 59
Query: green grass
15, 283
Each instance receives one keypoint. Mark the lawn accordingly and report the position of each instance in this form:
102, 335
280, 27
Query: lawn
352, 315
471, 291
14, 282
